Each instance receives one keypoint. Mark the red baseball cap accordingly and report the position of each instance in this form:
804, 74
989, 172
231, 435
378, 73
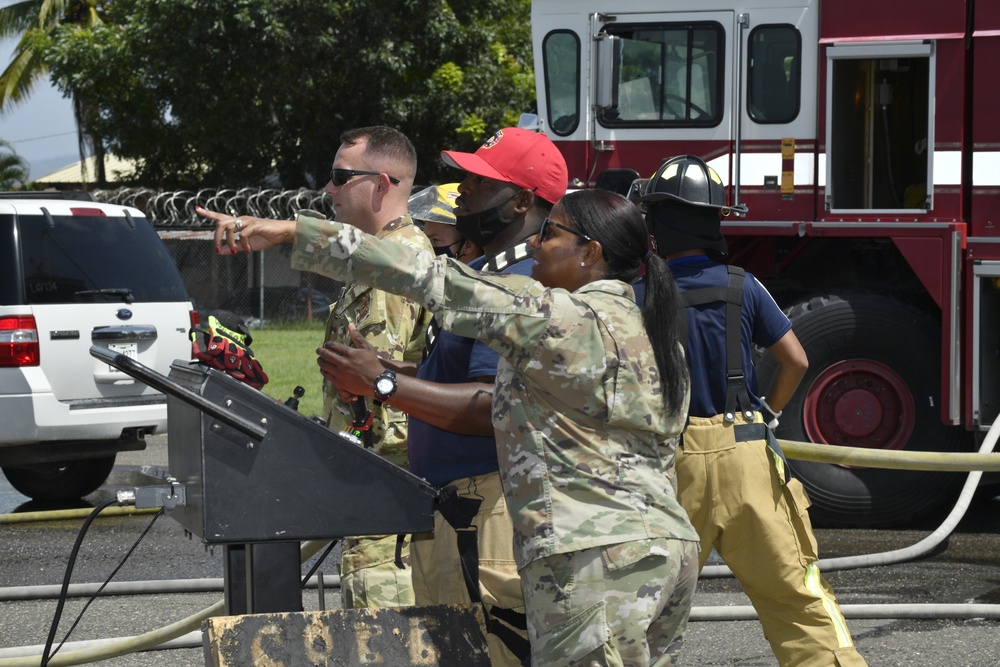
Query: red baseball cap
527, 159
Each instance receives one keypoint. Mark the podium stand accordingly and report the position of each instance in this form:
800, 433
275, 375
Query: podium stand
259, 477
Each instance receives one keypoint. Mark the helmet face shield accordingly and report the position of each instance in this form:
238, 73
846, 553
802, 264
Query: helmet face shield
434, 204
677, 227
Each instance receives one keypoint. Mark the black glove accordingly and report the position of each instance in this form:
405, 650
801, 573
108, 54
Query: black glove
223, 342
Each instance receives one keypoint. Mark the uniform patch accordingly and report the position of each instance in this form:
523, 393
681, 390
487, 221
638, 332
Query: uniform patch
494, 140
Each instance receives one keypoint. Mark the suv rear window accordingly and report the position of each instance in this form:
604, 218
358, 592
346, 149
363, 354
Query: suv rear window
67, 256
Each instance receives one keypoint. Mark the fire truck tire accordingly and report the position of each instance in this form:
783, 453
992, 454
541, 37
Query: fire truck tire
874, 381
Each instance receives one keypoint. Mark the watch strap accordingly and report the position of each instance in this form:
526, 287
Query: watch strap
387, 374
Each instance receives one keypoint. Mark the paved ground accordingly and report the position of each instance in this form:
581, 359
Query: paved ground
964, 570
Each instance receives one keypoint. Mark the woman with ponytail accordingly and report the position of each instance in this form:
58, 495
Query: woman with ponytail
590, 398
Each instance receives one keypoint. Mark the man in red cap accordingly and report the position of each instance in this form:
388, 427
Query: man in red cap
511, 183
513, 180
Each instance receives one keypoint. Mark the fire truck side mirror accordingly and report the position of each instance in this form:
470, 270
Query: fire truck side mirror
608, 65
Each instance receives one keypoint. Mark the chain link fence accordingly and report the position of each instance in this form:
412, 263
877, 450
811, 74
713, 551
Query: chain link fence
260, 288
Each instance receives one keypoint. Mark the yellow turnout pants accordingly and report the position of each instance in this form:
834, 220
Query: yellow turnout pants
739, 502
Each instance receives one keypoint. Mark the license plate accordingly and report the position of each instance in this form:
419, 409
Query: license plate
130, 350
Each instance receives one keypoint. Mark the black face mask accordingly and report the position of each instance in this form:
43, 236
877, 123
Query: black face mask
483, 227
447, 251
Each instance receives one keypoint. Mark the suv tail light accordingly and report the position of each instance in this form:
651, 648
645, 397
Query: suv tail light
18, 341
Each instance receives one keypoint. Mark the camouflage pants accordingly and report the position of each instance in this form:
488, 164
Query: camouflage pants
625, 605
369, 576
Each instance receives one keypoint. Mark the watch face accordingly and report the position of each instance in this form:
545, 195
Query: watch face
384, 386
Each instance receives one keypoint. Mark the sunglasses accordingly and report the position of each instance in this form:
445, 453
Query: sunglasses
544, 233
340, 176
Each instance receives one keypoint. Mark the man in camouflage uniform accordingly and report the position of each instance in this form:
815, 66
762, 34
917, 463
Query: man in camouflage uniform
584, 436
370, 184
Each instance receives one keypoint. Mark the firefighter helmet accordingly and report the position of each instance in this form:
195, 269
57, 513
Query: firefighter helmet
434, 204
686, 179
684, 203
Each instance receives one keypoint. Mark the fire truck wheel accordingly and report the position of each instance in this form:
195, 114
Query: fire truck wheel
874, 381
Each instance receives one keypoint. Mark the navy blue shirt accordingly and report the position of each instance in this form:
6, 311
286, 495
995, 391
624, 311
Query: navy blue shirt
762, 323
441, 456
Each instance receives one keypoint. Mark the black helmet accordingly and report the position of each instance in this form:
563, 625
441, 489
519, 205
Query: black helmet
684, 203
686, 179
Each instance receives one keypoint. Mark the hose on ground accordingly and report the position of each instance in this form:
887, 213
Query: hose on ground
870, 611
71, 515
149, 587
147, 640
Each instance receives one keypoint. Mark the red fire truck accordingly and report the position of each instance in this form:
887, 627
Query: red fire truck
865, 139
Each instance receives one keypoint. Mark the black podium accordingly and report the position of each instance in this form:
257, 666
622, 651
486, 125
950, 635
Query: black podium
259, 477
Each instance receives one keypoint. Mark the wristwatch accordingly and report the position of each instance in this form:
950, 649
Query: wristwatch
385, 385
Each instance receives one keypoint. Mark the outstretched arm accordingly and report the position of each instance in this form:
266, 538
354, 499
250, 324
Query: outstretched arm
233, 234
508, 312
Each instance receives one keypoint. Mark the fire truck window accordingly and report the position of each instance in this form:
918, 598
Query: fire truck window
668, 75
561, 53
773, 74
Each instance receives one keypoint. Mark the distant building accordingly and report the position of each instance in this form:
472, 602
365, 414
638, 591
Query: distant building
73, 176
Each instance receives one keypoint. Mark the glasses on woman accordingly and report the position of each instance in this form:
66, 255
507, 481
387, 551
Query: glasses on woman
340, 177
544, 233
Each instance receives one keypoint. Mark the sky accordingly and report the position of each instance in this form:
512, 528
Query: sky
42, 130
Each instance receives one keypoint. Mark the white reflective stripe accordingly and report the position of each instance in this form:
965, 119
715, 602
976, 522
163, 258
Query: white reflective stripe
947, 168
985, 168
721, 166
815, 585
755, 166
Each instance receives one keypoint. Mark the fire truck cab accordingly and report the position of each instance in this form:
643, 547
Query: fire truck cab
865, 140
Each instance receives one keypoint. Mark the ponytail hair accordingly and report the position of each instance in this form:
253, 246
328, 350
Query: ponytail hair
617, 224
661, 315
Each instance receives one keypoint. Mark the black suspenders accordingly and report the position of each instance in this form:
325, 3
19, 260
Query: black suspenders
732, 296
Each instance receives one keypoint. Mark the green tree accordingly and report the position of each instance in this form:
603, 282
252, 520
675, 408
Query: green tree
202, 93
13, 168
33, 22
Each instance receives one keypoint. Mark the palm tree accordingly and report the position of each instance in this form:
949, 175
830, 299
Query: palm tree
13, 168
31, 19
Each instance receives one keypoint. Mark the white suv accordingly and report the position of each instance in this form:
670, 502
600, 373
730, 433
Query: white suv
74, 273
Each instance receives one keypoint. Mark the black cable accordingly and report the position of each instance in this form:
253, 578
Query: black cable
108, 580
319, 561
68, 576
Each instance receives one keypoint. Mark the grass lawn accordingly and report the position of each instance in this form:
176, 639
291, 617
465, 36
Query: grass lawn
287, 352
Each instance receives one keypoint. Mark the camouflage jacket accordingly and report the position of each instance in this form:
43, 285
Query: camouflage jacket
586, 449
395, 325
